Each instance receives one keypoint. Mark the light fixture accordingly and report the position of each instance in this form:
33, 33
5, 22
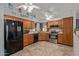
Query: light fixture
50, 14
28, 7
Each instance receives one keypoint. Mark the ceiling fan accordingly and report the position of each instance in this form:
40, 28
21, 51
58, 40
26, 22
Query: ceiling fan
47, 17
28, 7
50, 14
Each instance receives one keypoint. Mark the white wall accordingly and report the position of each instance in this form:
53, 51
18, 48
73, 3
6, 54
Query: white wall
1, 29
76, 39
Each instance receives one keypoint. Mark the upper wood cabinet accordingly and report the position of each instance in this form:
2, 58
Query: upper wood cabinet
27, 24
33, 24
52, 23
56, 22
60, 23
7, 17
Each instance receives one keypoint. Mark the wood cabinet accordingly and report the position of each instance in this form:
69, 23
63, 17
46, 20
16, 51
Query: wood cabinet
67, 36
33, 24
68, 30
7, 17
28, 24
52, 23
43, 36
55, 23
28, 39
60, 38
60, 23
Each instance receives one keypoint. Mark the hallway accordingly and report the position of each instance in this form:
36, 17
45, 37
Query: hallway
43, 48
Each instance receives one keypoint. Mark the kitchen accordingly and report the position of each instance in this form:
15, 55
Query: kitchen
26, 33
31, 36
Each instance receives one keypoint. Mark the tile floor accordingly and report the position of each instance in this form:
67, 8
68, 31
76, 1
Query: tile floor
43, 48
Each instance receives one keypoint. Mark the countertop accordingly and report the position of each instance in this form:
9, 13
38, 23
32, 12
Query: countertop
44, 32
41, 32
36, 32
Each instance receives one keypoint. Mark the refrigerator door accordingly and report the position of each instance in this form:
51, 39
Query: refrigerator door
6, 40
11, 41
19, 35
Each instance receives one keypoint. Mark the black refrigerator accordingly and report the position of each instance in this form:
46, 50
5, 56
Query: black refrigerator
13, 36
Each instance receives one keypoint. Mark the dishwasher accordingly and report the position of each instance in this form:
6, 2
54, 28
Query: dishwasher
35, 38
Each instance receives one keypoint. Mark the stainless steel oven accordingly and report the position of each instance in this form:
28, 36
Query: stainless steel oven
53, 36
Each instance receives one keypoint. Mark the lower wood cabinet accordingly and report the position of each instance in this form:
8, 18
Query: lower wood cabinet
60, 38
43, 36
28, 39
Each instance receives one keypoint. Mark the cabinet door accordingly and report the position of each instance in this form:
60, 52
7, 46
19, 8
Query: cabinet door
27, 24
60, 23
40, 36
30, 38
46, 36
9, 17
43, 36
19, 19
60, 38
32, 25
68, 31
25, 40
24, 25
52, 23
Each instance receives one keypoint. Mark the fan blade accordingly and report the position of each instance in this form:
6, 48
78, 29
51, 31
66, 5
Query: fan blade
22, 6
19, 6
34, 6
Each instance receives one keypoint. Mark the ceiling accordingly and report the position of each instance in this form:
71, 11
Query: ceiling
60, 9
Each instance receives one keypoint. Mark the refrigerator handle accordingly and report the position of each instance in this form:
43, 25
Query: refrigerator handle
6, 32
